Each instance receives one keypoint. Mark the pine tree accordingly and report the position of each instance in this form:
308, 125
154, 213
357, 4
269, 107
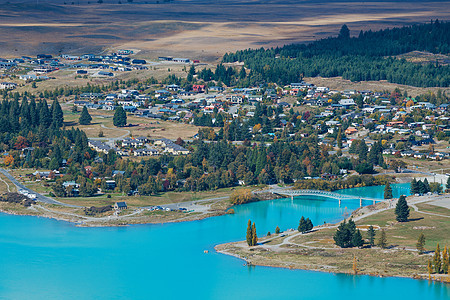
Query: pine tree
309, 225
339, 138
445, 261
371, 236
387, 191
357, 240
437, 263
414, 186
85, 117
420, 245
57, 115
362, 150
302, 225
382, 241
254, 236
120, 117
249, 233
242, 73
344, 33
402, 209
277, 230
427, 188
344, 234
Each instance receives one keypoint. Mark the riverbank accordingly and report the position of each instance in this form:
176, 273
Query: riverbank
316, 250
167, 213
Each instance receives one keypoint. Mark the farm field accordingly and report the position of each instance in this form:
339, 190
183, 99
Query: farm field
197, 29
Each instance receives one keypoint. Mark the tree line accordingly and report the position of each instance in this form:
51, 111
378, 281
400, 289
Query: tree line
366, 57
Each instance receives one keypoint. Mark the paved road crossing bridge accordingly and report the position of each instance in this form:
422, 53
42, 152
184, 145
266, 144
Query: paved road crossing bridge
294, 193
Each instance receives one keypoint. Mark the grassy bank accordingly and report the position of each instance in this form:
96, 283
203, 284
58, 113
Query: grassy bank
317, 251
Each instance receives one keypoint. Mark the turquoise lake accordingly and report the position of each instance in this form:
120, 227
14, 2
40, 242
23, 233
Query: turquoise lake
47, 259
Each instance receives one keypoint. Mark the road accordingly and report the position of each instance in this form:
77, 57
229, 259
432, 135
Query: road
194, 205
39, 197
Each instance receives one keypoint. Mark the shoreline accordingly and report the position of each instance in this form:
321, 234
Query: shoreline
126, 220
135, 216
332, 271
374, 261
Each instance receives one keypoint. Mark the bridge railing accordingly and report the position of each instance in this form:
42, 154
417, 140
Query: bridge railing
318, 192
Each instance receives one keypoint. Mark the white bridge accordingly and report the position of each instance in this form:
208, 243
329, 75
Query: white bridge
294, 193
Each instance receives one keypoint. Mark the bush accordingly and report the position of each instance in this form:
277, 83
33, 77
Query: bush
241, 196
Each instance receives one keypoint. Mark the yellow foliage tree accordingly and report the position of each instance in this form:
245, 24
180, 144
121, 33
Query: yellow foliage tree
9, 160
355, 266
256, 128
241, 196
409, 103
429, 269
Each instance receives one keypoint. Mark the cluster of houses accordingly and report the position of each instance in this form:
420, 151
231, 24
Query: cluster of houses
140, 146
86, 64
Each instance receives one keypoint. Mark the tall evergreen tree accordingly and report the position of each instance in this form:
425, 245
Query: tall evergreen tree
344, 33
339, 138
342, 237
427, 188
44, 114
120, 117
414, 186
357, 239
382, 241
302, 225
249, 237
254, 236
362, 150
371, 236
387, 191
242, 73
402, 209
57, 115
309, 224
85, 117
420, 245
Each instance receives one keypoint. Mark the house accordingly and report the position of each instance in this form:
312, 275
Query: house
7, 85
350, 130
163, 142
105, 73
347, 102
145, 152
173, 87
139, 61
129, 142
120, 205
176, 149
110, 184
199, 88
181, 60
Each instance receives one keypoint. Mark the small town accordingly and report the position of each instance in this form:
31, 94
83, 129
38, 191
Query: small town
274, 163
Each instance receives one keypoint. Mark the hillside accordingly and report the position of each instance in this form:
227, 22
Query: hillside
203, 29
365, 57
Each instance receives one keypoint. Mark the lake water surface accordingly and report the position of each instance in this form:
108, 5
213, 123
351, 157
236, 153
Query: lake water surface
48, 259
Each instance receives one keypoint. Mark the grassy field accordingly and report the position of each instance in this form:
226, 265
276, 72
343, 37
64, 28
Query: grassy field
317, 251
6, 185
196, 29
102, 121
138, 201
